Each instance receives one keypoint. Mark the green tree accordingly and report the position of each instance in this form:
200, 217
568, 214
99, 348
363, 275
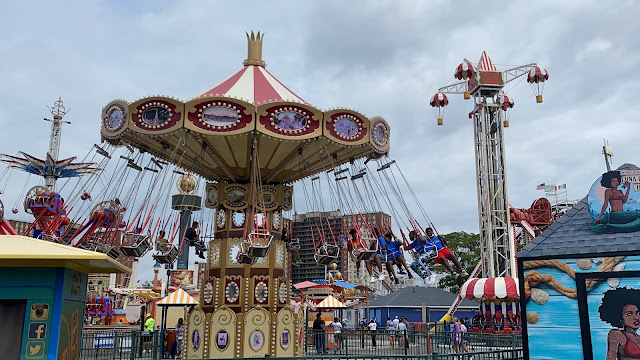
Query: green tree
146, 285
467, 247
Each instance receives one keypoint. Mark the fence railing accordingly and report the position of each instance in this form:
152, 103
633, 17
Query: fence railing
118, 344
121, 344
408, 342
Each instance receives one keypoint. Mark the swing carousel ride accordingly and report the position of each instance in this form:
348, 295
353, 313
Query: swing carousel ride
249, 138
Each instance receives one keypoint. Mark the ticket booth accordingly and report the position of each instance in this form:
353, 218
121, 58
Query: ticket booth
42, 295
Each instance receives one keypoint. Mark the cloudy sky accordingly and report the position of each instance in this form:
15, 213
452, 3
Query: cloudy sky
382, 58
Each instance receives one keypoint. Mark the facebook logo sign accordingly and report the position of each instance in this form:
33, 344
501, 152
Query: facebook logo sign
37, 330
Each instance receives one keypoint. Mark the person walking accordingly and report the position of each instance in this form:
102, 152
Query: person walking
464, 342
318, 331
179, 337
402, 333
149, 327
373, 328
456, 335
337, 333
392, 333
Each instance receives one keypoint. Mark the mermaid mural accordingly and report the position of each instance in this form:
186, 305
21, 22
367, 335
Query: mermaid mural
621, 309
623, 214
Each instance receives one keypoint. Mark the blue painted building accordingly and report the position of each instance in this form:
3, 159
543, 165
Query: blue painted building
568, 273
408, 302
42, 297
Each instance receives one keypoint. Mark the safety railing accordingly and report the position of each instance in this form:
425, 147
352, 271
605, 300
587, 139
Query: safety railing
116, 343
406, 342
119, 344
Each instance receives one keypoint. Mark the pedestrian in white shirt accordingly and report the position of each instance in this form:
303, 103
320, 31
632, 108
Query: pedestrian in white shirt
337, 332
373, 328
402, 333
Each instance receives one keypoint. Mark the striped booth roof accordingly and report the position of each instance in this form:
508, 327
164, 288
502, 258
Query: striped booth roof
331, 303
178, 297
490, 288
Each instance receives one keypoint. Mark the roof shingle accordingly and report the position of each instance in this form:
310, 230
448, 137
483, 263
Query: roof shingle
571, 236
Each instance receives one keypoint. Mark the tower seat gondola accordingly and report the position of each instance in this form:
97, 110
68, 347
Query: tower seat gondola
327, 254
167, 257
140, 245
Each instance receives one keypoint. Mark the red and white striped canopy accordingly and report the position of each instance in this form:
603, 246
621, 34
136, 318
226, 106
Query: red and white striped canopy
439, 100
464, 70
537, 75
253, 84
506, 102
485, 63
490, 288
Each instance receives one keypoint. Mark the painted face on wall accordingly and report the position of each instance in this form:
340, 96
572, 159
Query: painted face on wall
631, 316
615, 183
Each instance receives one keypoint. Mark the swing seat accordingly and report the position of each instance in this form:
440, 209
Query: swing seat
294, 244
167, 257
113, 253
139, 247
244, 258
162, 247
327, 254
367, 249
259, 244
47, 237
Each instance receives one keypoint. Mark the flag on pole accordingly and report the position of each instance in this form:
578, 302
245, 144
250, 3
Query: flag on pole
540, 187
563, 186
550, 188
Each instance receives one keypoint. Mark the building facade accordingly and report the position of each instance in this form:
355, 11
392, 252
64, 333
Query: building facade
309, 227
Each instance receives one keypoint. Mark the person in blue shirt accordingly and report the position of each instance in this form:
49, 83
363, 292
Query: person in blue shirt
380, 254
394, 256
424, 254
444, 254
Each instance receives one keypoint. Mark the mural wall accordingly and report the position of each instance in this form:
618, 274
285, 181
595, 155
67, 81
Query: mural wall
553, 311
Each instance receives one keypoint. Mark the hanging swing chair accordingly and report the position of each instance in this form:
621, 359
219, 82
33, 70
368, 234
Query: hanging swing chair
259, 244
113, 253
366, 249
166, 257
140, 244
327, 254
243, 255
294, 245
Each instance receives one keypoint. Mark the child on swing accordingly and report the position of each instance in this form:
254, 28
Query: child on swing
353, 245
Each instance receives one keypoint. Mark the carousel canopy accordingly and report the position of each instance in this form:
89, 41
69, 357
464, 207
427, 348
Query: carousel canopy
489, 288
330, 303
214, 134
253, 84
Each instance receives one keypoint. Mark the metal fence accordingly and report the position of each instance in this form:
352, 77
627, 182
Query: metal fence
493, 355
394, 343
118, 344
129, 344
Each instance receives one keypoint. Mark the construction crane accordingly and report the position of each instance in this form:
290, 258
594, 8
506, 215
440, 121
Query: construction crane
485, 83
